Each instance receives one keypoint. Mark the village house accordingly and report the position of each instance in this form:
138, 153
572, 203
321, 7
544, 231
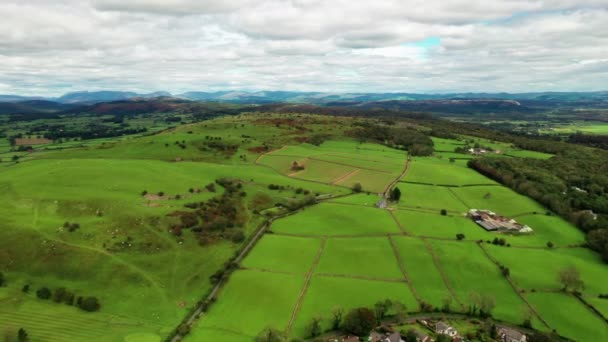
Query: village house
510, 335
422, 337
445, 329
387, 337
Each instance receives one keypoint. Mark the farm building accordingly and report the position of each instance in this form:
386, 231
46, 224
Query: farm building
388, 337
493, 222
445, 329
510, 335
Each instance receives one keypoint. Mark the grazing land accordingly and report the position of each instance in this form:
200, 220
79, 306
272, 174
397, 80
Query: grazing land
219, 229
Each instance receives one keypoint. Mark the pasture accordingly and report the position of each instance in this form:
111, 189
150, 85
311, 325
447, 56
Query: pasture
470, 273
499, 199
363, 257
283, 253
539, 268
334, 219
429, 197
435, 171
422, 273
326, 294
252, 301
569, 317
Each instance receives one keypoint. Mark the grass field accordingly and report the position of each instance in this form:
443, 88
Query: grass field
336, 219
429, 197
254, 300
432, 170
569, 317
364, 257
470, 273
539, 269
419, 265
283, 253
342, 252
325, 294
499, 199
432, 224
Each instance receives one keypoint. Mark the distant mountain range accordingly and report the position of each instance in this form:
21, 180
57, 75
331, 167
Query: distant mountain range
306, 97
456, 103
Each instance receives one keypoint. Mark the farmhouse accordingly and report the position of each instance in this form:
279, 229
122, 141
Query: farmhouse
445, 329
388, 337
510, 335
492, 222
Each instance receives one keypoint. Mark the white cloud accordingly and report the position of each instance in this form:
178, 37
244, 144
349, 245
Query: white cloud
331, 45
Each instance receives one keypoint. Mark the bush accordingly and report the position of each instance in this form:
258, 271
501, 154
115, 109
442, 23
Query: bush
359, 321
43, 293
460, 236
89, 304
444, 212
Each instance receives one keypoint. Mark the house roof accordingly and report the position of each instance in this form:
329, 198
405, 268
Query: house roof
511, 333
441, 326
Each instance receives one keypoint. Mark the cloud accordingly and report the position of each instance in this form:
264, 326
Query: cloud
177, 45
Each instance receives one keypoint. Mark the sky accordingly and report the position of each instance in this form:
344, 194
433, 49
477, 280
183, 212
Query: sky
425, 46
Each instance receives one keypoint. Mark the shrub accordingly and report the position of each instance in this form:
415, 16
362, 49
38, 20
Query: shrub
43, 293
89, 304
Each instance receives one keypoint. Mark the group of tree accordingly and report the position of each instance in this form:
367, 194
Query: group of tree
221, 217
416, 142
394, 194
358, 321
62, 295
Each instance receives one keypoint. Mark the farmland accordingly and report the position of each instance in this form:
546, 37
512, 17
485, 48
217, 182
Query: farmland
318, 240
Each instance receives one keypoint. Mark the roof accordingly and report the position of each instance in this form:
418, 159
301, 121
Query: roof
441, 326
511, 333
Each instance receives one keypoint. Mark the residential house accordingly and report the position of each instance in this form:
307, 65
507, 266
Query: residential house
387, 337
510, 335
445, 329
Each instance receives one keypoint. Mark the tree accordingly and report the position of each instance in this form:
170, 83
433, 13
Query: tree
460, 236
443, 212
89, 304
314, 329
22, 335
357, 188
549, 244
410, 336
395, 194
359, 321
336, 315
570, 277
270, 335
443, 338
400, 311
447, 305
2, 279
486, 305
381, 308
43, 293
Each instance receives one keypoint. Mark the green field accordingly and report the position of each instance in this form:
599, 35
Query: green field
419, 265
470, 272
499, 199
253, 300
429, 197
539, 269
336, 219
330, 248
364, 257
569, 317
433, 224
283, 253
431, 170
326, 294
